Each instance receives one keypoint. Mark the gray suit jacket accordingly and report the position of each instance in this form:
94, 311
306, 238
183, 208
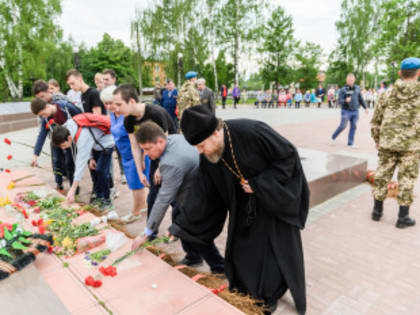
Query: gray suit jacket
207, 99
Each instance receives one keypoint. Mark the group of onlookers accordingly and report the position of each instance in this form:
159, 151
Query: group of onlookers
310, 98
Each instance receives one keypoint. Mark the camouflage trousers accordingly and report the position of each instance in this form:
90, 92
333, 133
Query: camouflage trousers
408, 170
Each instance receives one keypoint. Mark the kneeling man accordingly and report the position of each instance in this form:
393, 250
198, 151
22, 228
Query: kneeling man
177, 168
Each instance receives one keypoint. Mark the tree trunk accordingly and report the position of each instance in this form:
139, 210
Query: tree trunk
213, 60
236, 45
139, 59
20, 71
235, 59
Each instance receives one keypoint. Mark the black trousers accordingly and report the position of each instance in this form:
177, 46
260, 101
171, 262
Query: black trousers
224, 102
235, 101
63, 164
208, 252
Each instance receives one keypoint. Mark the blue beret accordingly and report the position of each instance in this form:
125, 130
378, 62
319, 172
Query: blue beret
410, 63
190, 75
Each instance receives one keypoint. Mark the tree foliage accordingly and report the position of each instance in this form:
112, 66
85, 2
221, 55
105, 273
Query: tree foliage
277, 46
26, 30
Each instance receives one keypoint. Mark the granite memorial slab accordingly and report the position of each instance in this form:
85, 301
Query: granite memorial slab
331, 174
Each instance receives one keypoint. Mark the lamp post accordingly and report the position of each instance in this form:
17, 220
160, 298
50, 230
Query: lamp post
179, 69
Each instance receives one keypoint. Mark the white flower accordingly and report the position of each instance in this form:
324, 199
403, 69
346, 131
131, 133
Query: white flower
3, 243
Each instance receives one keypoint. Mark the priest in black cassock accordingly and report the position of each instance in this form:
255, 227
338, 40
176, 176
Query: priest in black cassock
252, 173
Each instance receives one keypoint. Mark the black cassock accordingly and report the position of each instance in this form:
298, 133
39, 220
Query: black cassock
264, 255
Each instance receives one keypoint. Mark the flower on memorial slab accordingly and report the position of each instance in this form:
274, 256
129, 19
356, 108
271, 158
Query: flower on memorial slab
41, 229
90, 281
31, 203
7, 170
9, 157
7, 141
108, 271
11, 185
67, 242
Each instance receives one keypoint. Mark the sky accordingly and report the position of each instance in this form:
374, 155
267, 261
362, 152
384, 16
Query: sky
87, 20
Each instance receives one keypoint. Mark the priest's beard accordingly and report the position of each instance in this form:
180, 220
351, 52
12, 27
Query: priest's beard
217, 154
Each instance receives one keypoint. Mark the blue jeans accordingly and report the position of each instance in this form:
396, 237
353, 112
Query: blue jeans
346, 115
102, 172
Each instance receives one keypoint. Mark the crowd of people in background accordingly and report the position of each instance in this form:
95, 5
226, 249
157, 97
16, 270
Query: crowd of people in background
311, 98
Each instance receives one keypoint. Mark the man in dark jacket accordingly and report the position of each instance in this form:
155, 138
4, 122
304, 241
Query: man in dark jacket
251, 172
169, 100
350, 98
206, 95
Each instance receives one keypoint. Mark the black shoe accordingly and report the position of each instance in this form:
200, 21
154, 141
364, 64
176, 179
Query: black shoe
219, 274
403, 219
77, 190
405, 222
378, 209
191, 263
60, 187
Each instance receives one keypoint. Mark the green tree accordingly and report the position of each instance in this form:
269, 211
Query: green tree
59, 60
167, 29
277, 46
109, 53
25, 29
358, 30
308, 58
338, 68
241, 25
400, 31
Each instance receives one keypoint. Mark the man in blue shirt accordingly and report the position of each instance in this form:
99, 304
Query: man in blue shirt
169, 99
350, 98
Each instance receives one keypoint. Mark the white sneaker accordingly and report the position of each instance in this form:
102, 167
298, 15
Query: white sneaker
332, 142
354, 147
114, 193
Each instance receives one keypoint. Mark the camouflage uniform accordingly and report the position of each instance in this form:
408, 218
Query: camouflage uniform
188, 97
395, 127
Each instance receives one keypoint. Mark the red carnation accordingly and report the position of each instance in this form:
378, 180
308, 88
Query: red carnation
97, 283
89, 280
9, 157
108, 271
7, 141
34, 223
50, 249
41, 229
25, 214
31, 203
7, 170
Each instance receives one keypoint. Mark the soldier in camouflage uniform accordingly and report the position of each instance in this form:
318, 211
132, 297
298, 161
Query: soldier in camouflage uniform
396, 131
188, 95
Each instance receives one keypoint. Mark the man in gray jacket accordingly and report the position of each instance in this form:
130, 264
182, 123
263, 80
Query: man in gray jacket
206, 95
93, 146
178, 166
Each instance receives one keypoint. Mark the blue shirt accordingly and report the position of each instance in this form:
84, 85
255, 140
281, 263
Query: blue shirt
168, 101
